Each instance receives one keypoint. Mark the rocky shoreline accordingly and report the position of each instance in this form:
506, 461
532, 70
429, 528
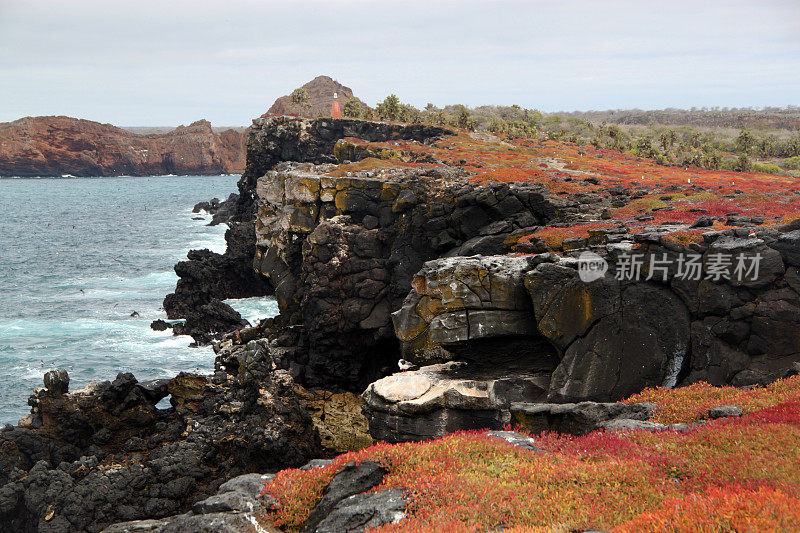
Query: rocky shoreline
377, 253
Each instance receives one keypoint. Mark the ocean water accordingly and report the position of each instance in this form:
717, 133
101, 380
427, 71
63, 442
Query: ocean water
77, 257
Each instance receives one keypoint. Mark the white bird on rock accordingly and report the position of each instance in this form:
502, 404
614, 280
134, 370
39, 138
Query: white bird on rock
405, 365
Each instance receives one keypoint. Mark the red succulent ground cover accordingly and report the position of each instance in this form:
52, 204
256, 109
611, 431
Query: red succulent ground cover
738, 474
554, 236
689, 404
670, 194
370, 163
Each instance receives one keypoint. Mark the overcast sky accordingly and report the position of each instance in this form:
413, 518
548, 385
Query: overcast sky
169, 62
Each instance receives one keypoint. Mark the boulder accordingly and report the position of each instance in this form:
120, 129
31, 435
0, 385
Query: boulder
788, 244
773, 331
742, 253
565, 307
205, 523
221, 211
57, 381
352, 479
316, 463
160, 325
247, 484
439, 399
227, 501
611, 335
576, 418
724, 411
630, 424
712, 359
515, 438
750, 377
365, 511
457, 301
155, 390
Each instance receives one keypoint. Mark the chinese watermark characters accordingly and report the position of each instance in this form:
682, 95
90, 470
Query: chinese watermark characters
661, 267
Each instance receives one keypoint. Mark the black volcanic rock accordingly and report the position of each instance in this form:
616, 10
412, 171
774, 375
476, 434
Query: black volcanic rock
160, 325
305, 219
107, 454
352, 479
57, 381
222, 211
363, 512
207, 278
308, 223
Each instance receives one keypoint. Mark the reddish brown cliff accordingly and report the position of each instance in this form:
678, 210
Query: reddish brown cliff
54, 146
